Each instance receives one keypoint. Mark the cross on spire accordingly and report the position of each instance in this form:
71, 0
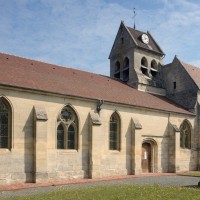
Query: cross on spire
134, 14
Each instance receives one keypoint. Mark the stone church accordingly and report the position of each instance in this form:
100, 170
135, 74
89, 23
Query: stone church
62, 123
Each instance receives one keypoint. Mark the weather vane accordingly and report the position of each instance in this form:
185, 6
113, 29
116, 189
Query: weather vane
134, 14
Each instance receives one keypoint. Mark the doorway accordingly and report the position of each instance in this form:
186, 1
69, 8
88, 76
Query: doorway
146, 157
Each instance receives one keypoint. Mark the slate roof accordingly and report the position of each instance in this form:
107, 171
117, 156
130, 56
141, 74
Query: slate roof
193, 71
35, 75
152, 46
136, 38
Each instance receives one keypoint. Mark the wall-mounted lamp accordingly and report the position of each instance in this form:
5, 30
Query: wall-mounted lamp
101, 101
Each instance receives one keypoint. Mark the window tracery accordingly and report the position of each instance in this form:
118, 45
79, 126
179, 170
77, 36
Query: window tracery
67, 136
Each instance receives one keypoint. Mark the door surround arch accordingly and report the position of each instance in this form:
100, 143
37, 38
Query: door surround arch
149, 157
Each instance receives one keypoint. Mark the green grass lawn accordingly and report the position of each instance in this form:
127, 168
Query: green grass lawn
125, 192
193, 174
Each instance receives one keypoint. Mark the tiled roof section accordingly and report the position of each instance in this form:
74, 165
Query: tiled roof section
152, 46
193, 71
35, 75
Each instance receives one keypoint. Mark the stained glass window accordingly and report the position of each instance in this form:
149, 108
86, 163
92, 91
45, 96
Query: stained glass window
185, 135
4, 123
114, 136
60, 137
71, 137
67, 136
66, 114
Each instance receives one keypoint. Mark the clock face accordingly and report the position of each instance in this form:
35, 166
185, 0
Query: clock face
145, 38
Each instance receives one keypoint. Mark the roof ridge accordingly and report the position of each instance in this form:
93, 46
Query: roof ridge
127, 28
192, 72
191, 65
17, 74
31, 59
151, 46
49, 64
136, 29
148, 32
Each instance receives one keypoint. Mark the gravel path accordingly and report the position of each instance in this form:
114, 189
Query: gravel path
179, 181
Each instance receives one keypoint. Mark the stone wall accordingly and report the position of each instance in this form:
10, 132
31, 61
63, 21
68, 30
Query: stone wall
185, 91
35, 158
124, 47
182, 159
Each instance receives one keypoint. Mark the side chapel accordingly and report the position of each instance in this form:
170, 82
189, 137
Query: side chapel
62, 123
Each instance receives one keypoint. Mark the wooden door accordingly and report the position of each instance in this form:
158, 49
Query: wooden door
146, 157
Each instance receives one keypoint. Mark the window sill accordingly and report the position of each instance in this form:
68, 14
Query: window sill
67, 151
114, 151
4, 151
185, 149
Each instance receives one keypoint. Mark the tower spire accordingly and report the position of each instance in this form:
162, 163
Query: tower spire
134, 14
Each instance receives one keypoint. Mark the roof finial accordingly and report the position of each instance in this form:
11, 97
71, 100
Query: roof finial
134, 16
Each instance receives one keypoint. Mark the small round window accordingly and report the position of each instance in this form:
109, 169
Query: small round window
67, 115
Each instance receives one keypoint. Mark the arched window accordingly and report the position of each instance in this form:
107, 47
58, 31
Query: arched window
154, 68
5, 124
144, 66
117, 66
67, 130
185, 135
114, 136
60, 137
126, 70
117, 70
71, 137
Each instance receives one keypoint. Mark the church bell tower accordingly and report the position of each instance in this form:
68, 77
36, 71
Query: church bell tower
136, 59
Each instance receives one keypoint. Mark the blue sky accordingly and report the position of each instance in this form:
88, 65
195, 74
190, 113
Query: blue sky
80, 33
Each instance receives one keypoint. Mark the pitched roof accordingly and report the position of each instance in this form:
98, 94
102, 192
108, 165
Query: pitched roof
193, 71
40, 76
151, 46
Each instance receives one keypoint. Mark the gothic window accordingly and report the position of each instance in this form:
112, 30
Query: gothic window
126, 69
144, 66
71, 137
67, 130
117, 70
114, 136
154, 68
60, 137
185, 135
5, 123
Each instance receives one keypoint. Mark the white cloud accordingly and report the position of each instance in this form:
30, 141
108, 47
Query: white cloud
80, 34
176, 29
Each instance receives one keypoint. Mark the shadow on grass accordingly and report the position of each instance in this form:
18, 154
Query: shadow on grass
192, 186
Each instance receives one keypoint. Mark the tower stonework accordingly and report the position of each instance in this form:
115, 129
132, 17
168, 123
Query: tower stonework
136, 59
